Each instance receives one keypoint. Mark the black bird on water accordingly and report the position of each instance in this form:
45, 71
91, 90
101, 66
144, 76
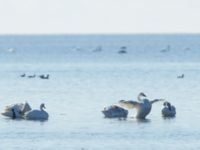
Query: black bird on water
44, 77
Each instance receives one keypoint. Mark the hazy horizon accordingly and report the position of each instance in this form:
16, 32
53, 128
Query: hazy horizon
99, 17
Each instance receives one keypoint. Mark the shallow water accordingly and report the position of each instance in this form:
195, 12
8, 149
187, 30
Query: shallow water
82, 82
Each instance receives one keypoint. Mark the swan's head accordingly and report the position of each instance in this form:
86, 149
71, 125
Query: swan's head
141, 96
42, 106
167, 104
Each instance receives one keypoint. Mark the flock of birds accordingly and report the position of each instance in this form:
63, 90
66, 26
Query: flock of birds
33, 76
24, 111
143, 107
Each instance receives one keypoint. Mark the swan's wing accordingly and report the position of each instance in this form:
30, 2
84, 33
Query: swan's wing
156, 100
129, 104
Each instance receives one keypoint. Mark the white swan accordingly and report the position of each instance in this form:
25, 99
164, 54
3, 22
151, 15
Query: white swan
17, 110
168, 110
143, 106
37, 114
115, 111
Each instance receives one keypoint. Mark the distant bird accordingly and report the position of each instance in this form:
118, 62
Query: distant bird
168, 110
115, 111
16, 110
44, 77
181, 76
37, 114
97, 49
23, 75
123, 50
143, 106
32, 76
187, 49
167, 49
11, 50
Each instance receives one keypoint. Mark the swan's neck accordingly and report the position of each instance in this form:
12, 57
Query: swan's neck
169, 106
140, 97
41, 108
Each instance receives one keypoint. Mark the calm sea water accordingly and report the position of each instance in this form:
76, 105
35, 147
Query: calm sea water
86, 74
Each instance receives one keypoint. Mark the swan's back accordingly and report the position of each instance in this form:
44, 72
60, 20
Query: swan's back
36, 115
115, 111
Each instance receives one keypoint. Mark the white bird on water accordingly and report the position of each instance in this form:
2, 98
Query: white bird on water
16, 110
143, 105
37, 114
168, 110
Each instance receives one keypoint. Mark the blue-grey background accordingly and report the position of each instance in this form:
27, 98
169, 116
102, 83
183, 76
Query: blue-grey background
83, 80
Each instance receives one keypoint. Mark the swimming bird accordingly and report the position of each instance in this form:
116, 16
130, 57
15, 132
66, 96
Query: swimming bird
44, 77
115, 111
122, 50
167, 49
32, 76
168, 110
181, 76
97, 49
37, 114
11, 50
18, 109
143, 105
23, 75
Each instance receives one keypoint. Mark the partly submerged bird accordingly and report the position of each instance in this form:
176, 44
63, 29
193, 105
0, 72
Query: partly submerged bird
37, 114
115, 111
168, 110
23, 75
16, 110
44, 77
143, 105
31, 76
122, 50
181, 76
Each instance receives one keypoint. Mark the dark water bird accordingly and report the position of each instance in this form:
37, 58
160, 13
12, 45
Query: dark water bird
115, 111
23, 75
187, 49
44, 77
97, 49
32, 76
167, 49
123, 50
168, 110
143, 105
181, 76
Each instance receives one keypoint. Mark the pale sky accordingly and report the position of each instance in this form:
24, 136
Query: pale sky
99, 16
